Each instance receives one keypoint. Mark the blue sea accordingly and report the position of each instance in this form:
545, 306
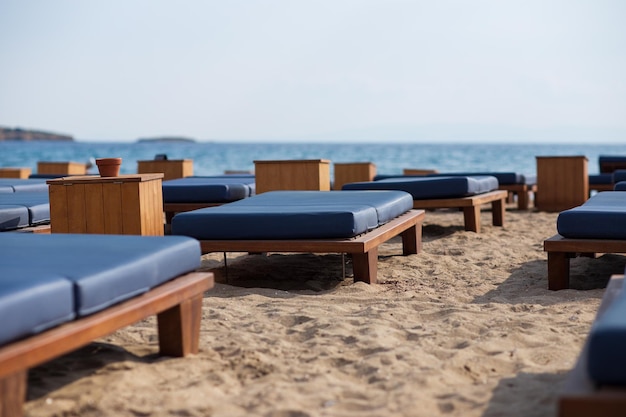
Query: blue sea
213, 158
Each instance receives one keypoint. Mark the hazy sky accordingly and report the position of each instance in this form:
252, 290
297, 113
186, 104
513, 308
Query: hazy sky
342, 70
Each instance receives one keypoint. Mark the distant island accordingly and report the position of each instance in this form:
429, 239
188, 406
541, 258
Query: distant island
166, 139
27, 135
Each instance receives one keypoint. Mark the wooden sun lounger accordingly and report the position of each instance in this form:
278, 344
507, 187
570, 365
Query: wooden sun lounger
471, 207
363, 248
177, 304
580, 397
561, 249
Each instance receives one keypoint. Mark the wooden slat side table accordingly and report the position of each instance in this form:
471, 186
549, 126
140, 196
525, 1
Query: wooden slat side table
171, 168
562, 182
126, 204
61, 168
21, 173
292, 175
353, 172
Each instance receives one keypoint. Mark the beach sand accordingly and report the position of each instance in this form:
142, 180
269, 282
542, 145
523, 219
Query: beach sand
465, 328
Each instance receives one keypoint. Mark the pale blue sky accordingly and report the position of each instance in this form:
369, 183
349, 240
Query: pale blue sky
346, 70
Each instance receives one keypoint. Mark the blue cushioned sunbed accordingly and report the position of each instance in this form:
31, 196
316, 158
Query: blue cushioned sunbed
468, 193
603, 216
596, 386
606, 358
504, 178
191, 193
596, 226
22, 209
424, 188
354, 222
16, 185
294, 215
102, 270
59, 292
212, 189
516, 184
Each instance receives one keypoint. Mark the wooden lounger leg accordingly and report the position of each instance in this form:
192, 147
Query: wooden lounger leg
523, 200
13, 394
179, 328
497, 212
471, 216
365, 266
412, 240
558, 271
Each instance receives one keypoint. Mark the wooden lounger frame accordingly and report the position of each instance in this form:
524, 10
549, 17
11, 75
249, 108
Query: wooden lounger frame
523, 192
177, 304
171, 209
561, 250
471, 207
363, 248
580, 396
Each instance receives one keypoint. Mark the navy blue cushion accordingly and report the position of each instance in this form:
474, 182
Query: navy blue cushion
606, 361
105, 269
603, 216
620, 186
293, 215
36, 204
600, 179
619, 175
217, 189
504, 178
388, 204
13, 216
602, 159
32, 302
422, 188
24, 185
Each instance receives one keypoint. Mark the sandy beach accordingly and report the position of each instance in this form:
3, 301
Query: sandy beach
465, 328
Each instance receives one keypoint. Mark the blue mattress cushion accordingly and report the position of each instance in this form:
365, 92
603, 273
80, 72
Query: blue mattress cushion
606, 361
24, 185
13, 216
36, 204
422, 188
293, 215
602, 159
504, 178
603, 216
620, 186
619, 175
31, 303
104, 269
597, 179
217, 189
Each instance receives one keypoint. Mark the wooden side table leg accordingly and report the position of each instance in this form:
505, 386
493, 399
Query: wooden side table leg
179, 328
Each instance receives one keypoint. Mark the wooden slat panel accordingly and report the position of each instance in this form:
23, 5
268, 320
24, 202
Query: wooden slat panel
94, 209
131, 212
59, 222
112, 203
76, 215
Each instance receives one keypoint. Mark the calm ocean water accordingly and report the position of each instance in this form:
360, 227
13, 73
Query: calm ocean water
213, 158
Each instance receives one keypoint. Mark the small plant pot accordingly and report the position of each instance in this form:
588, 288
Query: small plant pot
109, 167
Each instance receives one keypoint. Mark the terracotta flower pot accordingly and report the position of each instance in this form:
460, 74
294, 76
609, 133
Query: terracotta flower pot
109, 167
